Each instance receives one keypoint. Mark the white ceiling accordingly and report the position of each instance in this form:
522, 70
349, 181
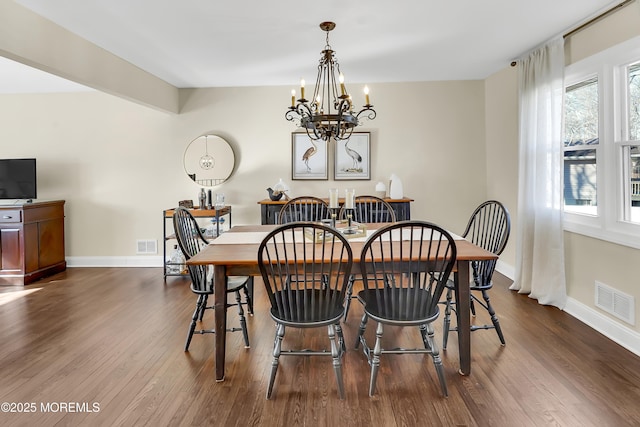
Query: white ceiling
199, 43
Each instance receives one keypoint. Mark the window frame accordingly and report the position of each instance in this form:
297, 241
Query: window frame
609, 66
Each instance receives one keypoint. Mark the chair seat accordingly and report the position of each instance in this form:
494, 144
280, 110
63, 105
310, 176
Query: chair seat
234, 284
314, 307
472, 286
401, 306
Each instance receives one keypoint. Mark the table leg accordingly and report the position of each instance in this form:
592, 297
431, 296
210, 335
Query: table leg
463, 312
220, 303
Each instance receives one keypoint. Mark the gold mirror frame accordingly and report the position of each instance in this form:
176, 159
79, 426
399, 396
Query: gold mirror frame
209, 160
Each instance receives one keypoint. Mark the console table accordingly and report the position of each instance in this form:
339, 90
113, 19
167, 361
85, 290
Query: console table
269, 209
167, 225
31, 241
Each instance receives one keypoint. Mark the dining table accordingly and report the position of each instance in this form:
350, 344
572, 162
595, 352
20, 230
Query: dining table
235, 253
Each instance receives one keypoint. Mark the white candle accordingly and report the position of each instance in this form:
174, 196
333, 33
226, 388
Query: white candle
333, 198
348, 199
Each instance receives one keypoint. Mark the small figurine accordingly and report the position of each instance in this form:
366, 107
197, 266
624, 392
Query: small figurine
275, 195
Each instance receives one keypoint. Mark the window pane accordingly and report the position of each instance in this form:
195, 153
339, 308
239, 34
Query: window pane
581, 113
581, 130
580, 181
634, 176
634, 102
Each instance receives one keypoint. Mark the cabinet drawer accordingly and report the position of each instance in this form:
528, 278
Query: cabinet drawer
10, 216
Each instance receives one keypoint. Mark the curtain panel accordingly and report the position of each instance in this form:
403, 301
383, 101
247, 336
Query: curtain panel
540, 268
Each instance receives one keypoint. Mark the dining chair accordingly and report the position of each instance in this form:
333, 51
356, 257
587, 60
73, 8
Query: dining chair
419, 256
304, 208
191, 241
489, 227
307, 251
366, 209
369, 209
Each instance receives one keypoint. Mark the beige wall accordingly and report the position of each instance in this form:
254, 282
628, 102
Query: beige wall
587, 259
119, 164
501, 111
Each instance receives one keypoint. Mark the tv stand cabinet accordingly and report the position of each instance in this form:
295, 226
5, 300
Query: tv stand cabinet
31, 242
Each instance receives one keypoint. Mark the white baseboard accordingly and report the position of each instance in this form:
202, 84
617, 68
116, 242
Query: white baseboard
608, 327
505, 269
116, 261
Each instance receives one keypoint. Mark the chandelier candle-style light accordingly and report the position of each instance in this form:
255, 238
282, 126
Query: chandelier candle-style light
330, 113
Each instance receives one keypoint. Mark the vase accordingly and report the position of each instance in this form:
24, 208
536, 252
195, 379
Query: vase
395, 187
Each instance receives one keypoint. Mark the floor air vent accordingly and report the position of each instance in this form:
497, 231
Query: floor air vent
146, 247
615, 302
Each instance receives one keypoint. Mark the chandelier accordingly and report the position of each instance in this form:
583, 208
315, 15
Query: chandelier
329, 114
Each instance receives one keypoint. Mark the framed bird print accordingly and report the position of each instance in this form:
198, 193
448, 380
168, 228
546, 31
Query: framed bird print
353, 157
309, 158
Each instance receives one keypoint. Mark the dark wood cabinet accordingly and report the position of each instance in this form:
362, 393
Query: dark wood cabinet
269, 209
31, 242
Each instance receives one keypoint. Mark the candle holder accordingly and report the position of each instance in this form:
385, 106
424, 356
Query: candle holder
349, 229
334, 216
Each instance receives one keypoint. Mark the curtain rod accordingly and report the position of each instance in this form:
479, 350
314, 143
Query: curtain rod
597, 18
591, 21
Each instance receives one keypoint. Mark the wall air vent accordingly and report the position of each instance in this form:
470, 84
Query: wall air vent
146, 247
615, 302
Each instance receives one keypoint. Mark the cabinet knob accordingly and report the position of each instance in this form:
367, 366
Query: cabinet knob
7, 217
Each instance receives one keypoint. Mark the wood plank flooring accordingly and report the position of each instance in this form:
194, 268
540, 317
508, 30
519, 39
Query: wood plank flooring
104, 346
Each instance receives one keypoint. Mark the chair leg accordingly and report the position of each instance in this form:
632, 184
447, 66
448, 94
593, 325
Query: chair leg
363, 326
243, 321
473, 308
277, 348
348, 298
425, 338
200, 304
203, 307
447, 319
375, 362
340, 335
336, 354
494, 318
437, 361
248, 293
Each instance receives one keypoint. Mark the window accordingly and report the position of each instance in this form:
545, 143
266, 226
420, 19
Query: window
602, 145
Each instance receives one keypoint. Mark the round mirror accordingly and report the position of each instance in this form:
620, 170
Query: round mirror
209, 160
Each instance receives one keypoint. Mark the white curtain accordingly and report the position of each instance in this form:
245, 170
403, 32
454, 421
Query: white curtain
540, 249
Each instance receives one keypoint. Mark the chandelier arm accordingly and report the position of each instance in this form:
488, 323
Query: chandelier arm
369, 113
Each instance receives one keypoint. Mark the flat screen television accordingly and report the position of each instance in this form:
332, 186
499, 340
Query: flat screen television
18, 179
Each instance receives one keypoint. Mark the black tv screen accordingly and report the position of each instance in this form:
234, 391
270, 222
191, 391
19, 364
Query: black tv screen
18, 179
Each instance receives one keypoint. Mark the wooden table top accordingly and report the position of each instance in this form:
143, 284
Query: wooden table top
246, 254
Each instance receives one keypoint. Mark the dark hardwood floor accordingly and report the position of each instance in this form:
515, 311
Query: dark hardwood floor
104, 346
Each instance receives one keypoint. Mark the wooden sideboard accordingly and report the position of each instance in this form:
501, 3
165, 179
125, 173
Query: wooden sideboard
31, 241
269, 209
